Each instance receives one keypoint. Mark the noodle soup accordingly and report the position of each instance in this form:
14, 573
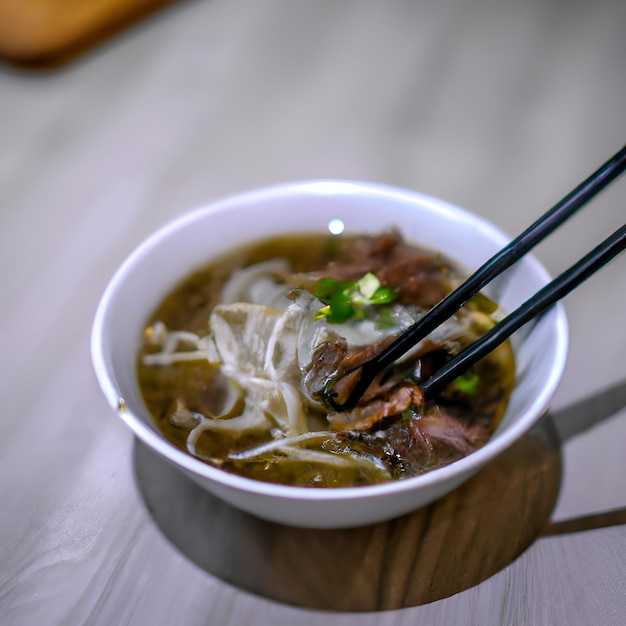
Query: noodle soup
237, 356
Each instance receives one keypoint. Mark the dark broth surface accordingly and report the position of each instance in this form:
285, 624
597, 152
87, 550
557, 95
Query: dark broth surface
446, 429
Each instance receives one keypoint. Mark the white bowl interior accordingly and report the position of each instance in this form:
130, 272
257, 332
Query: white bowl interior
195, 238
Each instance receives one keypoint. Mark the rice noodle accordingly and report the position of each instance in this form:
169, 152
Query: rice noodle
167, 358
281, 443
256, 284
289, 448
247, 421
169, 341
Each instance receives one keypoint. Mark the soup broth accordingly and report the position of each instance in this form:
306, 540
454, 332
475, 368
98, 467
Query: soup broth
237, 355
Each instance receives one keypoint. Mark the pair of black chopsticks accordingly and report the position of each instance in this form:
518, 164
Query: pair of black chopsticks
537, 304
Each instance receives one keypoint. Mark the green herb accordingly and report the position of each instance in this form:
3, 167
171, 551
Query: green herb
467, 383
348, 299
368, 285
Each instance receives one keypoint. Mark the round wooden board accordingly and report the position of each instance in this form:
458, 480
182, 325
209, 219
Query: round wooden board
430, 554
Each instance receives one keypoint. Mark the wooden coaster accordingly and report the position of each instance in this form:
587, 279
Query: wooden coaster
50, 32
430, 554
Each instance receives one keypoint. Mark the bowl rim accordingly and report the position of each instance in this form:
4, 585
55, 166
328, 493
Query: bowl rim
326, 186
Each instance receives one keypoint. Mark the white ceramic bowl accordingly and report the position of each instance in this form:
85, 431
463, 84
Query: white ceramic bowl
194, 238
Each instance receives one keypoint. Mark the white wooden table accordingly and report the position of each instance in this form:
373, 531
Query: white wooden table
500, 109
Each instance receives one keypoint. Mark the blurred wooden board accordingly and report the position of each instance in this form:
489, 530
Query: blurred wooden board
51, 32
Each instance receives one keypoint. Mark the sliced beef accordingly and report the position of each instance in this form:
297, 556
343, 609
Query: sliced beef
419, 278
419, 443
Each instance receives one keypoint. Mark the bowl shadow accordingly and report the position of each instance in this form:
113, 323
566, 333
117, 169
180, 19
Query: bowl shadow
430, 554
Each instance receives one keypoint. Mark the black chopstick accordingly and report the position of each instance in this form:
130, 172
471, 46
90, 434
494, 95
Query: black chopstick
534, 306
501, 261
